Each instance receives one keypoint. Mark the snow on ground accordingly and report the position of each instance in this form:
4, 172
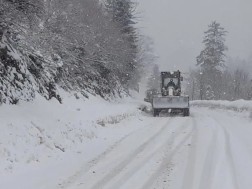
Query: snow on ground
219, 154
238, 105
44, 134
95, 144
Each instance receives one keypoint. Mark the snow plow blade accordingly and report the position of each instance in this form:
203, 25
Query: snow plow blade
175, 104
170, 102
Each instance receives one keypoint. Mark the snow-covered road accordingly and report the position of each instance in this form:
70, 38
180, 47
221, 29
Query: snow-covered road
209, 150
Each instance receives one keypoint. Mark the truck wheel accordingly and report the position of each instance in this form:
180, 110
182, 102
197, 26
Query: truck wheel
155, 112
186, 112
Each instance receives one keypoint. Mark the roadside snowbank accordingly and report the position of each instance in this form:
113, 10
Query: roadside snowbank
40, 133
238, 106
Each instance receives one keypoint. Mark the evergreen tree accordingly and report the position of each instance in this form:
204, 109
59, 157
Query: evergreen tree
122, 12
212, 58
76, 45
209, 93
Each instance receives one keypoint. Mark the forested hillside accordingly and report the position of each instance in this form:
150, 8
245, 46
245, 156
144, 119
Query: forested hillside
85, 46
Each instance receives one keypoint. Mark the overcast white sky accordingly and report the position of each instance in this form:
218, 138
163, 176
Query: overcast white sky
177, 26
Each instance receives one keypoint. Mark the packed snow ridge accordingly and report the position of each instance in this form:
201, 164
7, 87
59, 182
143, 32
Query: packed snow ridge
238, 105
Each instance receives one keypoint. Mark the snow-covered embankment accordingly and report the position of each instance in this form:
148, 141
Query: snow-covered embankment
238, 106
44, 134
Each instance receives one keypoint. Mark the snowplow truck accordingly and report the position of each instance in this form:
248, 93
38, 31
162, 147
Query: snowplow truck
170, 98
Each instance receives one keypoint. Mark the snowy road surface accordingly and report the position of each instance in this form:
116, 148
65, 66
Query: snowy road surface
211, 149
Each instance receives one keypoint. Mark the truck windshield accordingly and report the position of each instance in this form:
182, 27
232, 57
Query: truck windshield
167, 80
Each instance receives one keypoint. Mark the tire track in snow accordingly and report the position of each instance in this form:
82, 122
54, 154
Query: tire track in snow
209, 167
239, 139
118, 168
168, 158
230, 158
169, 142
229, 155
188, 179
206, 179
89, 165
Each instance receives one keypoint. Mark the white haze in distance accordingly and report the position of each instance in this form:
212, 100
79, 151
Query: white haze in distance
177, 28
